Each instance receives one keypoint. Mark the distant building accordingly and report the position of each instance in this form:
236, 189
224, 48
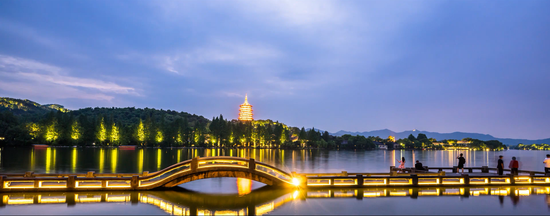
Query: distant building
380, 145
245, 111
396, 146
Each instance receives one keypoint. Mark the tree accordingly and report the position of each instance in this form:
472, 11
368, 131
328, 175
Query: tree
411, 138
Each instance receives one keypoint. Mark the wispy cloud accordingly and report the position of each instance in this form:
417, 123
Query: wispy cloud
41, 78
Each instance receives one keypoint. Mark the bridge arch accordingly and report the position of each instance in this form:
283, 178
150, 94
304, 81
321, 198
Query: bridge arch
215, 167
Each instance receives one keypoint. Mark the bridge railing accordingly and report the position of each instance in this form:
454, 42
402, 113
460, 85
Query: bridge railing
416, 180
199, 163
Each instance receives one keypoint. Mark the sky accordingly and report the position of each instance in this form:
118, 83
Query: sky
440, 66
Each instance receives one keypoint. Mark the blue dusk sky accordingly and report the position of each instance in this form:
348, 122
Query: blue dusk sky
442, 66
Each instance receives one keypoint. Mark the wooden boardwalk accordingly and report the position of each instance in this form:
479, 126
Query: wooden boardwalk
216, 167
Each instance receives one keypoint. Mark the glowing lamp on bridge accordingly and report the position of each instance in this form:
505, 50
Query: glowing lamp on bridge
295, 181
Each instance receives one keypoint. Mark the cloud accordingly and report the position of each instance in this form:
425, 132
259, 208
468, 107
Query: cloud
36, 78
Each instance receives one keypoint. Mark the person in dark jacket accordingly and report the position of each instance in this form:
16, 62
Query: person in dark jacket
514, 165
500, 165
461, 162
418, 165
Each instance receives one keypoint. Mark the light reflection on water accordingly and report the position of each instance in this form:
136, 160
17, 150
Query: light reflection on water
268, 200
110, 160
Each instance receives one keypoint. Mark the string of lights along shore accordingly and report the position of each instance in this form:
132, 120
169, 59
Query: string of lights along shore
245, 111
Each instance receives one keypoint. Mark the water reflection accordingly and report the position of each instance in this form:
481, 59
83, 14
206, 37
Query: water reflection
261, 201
65, 160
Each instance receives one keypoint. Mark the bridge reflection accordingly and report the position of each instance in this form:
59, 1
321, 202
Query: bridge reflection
260, 201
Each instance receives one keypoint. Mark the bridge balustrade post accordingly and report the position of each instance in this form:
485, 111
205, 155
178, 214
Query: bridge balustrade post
90, 174
485, 169
28, 174
466, 179
134, 183
345, 173
391, 168
145, 173
71, 182
2, 181
194, 164
455, 169
512, 179
252, 165
414, 179
360, 181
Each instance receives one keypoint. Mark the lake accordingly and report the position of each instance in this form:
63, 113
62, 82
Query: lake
240, 196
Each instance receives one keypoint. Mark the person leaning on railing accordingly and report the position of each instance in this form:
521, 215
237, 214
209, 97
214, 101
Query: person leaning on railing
547, 164
514, 165
500, 166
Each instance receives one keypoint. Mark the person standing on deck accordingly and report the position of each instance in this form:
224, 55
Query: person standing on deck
500, 166
547, 164
461, 162
401, 163
514, 165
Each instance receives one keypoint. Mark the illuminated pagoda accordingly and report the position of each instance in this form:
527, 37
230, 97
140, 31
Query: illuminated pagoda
245, 111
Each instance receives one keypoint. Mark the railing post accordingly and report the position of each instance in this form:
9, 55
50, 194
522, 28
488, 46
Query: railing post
134, 182
28, 174
194, 164
466, 179
391, 168
360, 180
345, 173
455, 169
71, 182
414, 179
90, 174
145, 173
512, 179
485, 169
251, 164
2, 181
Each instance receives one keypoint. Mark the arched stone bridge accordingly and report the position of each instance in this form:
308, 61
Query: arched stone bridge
186, 171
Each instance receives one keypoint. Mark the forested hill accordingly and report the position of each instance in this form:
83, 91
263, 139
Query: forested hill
27, 107
31, 111
131, 115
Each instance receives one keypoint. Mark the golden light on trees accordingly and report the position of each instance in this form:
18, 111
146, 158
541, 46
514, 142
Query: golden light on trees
159, 137
283, 136
75, 131
391, 138
51, 133
179, 139
102, 133
114, 133
245, 111
141, 131
231, 138
33, 129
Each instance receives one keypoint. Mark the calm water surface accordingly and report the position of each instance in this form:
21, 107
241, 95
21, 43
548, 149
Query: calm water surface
241, 197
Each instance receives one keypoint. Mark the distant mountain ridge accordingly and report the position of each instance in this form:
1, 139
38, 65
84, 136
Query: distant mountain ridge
440, 136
